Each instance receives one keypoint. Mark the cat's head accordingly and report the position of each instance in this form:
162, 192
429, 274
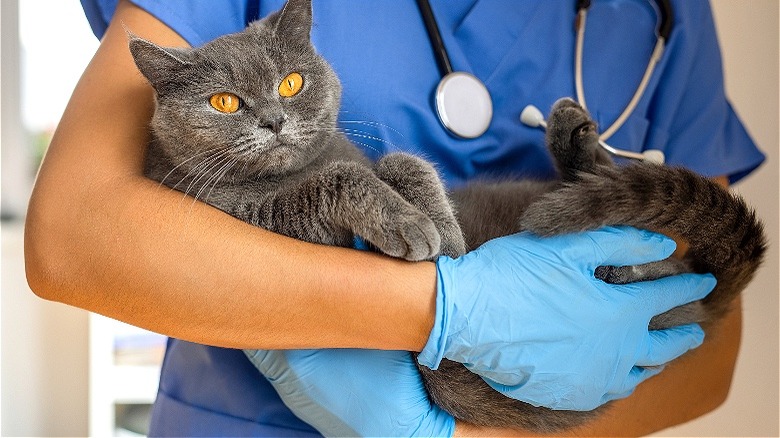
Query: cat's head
258, 99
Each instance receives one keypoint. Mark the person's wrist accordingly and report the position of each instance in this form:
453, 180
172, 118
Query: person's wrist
433, 351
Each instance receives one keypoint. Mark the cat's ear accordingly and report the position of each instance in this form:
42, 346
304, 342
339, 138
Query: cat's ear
294, 21
158, 64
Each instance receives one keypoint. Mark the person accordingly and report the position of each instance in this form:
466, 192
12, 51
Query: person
115, 243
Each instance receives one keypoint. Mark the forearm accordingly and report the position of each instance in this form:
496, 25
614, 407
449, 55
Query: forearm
102, 237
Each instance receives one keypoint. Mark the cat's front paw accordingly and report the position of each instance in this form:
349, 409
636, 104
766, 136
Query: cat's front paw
417, 181
407, 234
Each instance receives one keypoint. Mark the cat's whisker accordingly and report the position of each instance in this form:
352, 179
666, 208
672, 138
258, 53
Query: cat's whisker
353, 133
366, 145
205, 167
193, 173
364, 135
212, 176
196, 173
376, 124
219, 176
208, 171
162, 181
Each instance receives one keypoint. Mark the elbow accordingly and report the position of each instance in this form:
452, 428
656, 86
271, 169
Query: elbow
45, 263
57, 239
718, 393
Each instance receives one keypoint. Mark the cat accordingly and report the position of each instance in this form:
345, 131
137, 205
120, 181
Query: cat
247, 123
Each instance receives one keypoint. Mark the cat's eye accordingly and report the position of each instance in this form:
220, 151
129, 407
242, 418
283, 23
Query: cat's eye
291, 85
225, 102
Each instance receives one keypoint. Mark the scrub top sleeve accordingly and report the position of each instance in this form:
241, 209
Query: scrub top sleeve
197, 21
703, 132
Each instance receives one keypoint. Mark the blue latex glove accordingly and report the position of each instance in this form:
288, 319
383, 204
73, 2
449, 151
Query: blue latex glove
349, 392
527, 314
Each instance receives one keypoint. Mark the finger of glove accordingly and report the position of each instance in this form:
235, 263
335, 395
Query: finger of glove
276, 364
666, 345
626, 246
264, 360
303, 397
636, 376
515, 392
659, 296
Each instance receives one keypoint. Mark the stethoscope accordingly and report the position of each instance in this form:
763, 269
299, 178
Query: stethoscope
464, 106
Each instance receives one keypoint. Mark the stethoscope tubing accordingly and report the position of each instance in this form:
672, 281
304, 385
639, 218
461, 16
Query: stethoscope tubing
449, 76
655, 57
432, 27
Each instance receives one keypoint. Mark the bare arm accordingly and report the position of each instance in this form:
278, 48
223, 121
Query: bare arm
102, 237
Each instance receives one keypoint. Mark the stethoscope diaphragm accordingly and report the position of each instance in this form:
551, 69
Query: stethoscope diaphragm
463, 104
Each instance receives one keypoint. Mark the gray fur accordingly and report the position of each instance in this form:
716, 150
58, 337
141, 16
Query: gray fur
281, 164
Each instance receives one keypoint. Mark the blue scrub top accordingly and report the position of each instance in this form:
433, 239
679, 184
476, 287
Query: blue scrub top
524, 53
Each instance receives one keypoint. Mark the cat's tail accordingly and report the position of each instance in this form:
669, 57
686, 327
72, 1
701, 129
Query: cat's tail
725, 236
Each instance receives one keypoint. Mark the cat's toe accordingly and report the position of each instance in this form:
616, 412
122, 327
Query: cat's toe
452, 242
565, 102
413, 238
421, 239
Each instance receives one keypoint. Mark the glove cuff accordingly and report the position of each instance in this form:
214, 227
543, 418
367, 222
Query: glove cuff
433, 352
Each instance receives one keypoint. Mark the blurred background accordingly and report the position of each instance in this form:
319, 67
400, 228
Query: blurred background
64, 372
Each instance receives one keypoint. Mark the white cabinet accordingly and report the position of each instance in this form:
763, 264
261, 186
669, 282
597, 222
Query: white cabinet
124, 373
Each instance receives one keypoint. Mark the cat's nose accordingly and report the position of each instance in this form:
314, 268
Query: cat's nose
274, 124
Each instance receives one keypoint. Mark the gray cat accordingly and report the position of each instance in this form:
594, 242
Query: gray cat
251, 129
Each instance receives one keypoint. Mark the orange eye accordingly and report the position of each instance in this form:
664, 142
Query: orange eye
291, 85
225, 102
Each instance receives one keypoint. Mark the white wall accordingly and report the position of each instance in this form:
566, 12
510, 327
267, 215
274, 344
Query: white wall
44, 362
749, 38
44, 345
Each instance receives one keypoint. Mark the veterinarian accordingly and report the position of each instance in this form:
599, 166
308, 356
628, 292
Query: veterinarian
102, 237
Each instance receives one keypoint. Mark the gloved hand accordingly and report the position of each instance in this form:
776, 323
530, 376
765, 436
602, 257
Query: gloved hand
345, 392
527, 314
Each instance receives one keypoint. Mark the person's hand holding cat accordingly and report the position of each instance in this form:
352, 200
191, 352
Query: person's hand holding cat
528, 315
348, 392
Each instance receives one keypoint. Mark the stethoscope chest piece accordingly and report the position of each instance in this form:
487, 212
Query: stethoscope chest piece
464, 105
